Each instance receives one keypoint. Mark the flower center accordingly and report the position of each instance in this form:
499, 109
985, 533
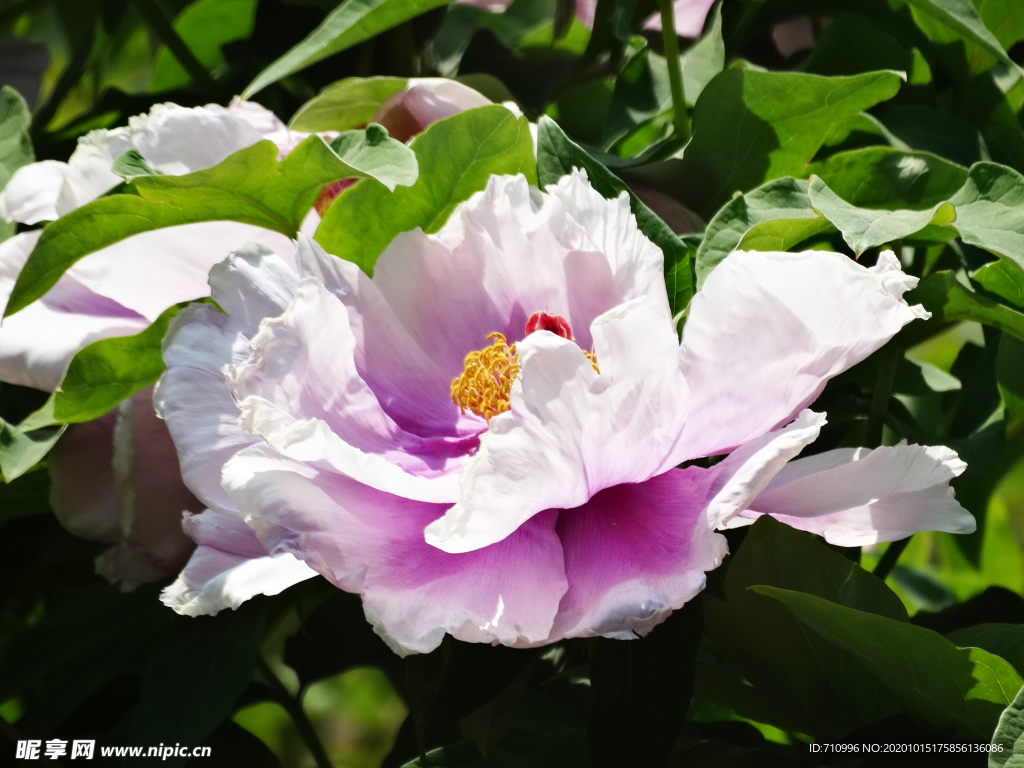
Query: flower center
484, 385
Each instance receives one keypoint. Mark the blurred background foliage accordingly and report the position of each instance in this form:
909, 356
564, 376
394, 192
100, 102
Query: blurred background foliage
94, 660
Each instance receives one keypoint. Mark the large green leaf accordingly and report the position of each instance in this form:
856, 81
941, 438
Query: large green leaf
964, 19
990, 210
783, 200
963, 688
1008, 740
108, 371
346, 104
865, 228
21, 449
950, 301
750, 127
1003, 278
456, 157
804, 680
204, 26
15, 144
557, 156
1005, 640
195, 680
350, 23
250, 186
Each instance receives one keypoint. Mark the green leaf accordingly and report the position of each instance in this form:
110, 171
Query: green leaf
374, 155
1010, 379
346, 104
557, 156
864, 228
132, 165
1008, 739
456, 157
783, 202
350, 23
21, 450
15, 144
884, 177
109, 371
808, 682
195, 681
750, 127
990, 210
963, 688
949, 301
1005, 18
1005, 640
1003, 278
250, 186
964, 19
204, 26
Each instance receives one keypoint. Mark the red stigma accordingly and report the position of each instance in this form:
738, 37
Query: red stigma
544, 321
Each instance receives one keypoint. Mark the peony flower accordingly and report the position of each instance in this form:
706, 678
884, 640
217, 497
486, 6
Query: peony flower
113, 292
485, 438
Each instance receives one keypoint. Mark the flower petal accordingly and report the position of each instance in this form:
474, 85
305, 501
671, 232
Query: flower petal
31, 194
689, 16
424, 101
82, 491
634, 553
151, 271
571, 432
300, 390
768, 330
372, 543
228, 567
855, 497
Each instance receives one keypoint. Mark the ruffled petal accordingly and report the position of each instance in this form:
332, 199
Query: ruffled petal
571, 432
634, 553
747, 471
151, 271
410, 386
89, 172
31, 194
768, 330
300, 390
854, 497
371, 542
228, 567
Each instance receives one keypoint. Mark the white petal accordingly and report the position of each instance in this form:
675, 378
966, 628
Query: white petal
768, 330
571, 432
229, 567
31, 194
747, 471
855, 497
89, 175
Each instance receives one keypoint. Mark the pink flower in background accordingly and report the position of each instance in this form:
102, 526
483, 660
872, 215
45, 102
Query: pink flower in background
406, 437
116, 480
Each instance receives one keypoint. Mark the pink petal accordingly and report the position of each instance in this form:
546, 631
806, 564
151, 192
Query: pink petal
31, 194
634, 553
855, 497
228, 567
370, 542
300, 391
768, 330
689, 17
571, 432
424, 101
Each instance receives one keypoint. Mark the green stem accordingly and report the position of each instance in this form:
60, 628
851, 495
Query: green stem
675, 69
68, 79
889, 558
883, 391
162, 27
293, 705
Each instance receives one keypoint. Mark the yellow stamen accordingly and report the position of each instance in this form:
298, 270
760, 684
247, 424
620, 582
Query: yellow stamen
484, 385
486, 381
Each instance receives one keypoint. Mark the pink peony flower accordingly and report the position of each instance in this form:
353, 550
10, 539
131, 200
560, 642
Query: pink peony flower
408, 439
